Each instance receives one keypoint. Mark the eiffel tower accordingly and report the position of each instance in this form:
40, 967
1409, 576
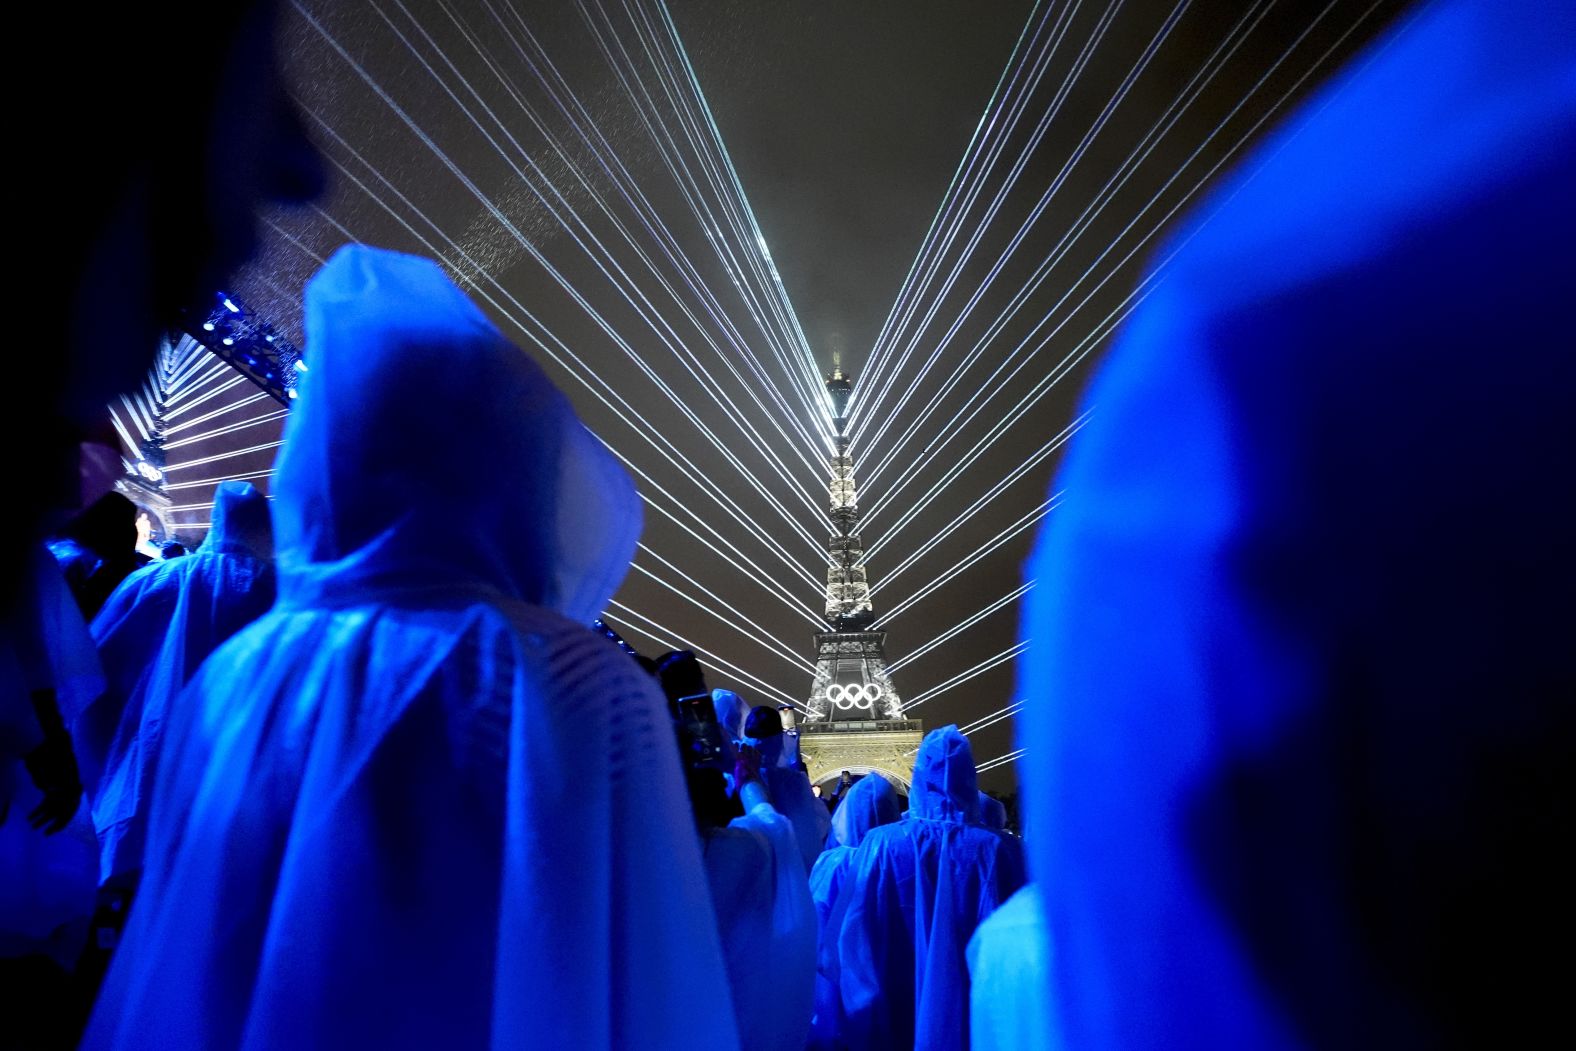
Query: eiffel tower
855, 716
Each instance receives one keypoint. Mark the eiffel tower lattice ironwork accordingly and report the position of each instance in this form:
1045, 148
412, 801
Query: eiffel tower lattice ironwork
851, 680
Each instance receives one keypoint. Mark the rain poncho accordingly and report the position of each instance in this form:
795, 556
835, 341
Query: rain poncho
421, 804
993, 813
1009, 961
1299, 764
767, 922
47, 883
158, 626
913, 896
869, 803
789, 786
793, 797
731, 711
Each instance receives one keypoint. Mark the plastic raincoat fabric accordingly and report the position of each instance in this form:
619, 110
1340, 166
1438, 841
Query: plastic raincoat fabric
914, 894
870, 803
993, 813
731, 711
157, 627
1305, 679
793, 797
788, 786
421, 804
1009, 967
47, 883
767, 923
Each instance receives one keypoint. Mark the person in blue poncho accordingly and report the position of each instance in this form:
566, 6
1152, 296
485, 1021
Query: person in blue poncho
787, 782
1298, 771
421, 802
914, 893
870, 803
152, 634
1009, 961
765, 917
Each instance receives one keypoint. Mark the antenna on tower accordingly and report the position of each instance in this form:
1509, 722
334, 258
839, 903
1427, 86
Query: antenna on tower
839, 388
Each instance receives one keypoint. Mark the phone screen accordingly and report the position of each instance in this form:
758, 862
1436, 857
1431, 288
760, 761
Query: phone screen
697, 712
699, 720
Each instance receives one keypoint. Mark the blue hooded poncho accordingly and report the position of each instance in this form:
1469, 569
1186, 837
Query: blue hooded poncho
157, 627
870, 803
914, 894
421, 803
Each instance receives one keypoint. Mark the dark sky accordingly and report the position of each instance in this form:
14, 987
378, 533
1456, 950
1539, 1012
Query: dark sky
845, 122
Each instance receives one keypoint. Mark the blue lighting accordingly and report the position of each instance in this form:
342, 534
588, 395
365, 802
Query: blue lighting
231, 307
207, 326
228, 341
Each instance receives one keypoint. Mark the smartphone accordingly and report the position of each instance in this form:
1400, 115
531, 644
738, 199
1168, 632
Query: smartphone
702, 734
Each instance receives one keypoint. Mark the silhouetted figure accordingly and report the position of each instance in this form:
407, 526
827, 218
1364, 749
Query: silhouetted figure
97, 550
180, 158
49, 671
169, 160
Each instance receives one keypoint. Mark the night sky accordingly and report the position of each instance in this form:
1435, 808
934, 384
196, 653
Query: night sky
450, 135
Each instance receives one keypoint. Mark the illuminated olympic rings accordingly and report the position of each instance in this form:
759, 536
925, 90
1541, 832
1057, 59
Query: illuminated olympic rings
854, 695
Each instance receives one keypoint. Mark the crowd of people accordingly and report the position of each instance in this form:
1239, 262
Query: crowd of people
357, 771
363, 769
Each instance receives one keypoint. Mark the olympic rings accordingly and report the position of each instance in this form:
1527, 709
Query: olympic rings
854, 695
